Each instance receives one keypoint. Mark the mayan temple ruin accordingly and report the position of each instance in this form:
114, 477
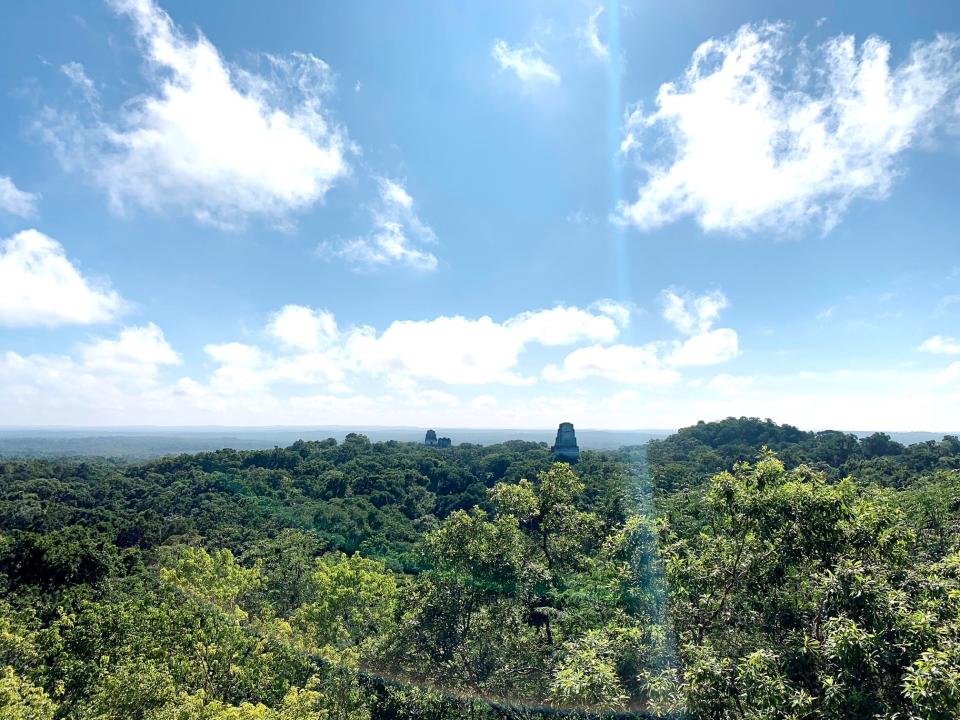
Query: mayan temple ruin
431, 440
565, 447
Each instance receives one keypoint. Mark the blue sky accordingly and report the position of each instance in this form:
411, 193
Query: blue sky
625, 215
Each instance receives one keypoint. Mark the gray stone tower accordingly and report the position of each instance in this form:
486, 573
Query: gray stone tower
565, 448
430, 439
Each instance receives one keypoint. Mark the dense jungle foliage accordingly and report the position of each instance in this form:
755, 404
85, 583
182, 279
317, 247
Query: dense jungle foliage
739, 569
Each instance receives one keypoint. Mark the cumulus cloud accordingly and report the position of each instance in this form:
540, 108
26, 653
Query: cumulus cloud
104, 375
449, 350
459, 350
136, 351
15, 201
566, 325
306, 348
941, 345
655, 363
707, 348
695, 316
729, 384
242, 369
217, 142
526, 62
303, 328
307, 365
485, 401
591, 34
689, 314
764, 135
631, 365
397, 237
39, 285
452, 350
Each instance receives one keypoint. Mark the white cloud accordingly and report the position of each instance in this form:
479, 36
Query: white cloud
941, 345
761, 142
397, 236
453, 350
106, 376
120, 380
220, 143
450, 350
566, 325
435, 398
707, 348
15, 201
243, 370
484, 401
695, 316
311, 368
526, 62
951, 374
631, 365
729, 384
395, 194
78, 76
235, 354
302, 328
655, 363
136, 351
388, 245
40, 286
591, 34
620, 312
458, 350
334, 406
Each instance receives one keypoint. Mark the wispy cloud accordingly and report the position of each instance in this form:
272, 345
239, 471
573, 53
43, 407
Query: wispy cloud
398, 236
948, 301
15, 201
591, 34
78, 76
526, 62
755, 142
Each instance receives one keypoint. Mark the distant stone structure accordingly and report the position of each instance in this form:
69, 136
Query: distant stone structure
431, 440
565, 448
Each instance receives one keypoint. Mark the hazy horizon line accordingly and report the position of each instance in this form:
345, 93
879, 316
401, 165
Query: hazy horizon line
504, 428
